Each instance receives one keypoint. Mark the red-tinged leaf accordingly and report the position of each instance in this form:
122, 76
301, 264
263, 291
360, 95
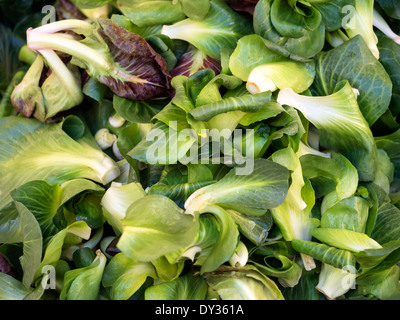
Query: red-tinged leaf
142, 72
194, 60
65, 9
243, 5
5, 266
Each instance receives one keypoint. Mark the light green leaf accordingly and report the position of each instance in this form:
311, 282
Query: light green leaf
55, 245
153, 12
47, 153
196, 10
351, 214
341, 124
345, 239
278, 75
250, 52
288, 272
125, 276
264, 188
221, 28
335, 282
84, 283
18, 225
90, 4
116, 201
225, 244
293, 215
383, 285
45, 200
12, 289
163, 145
246, 283
347, 182
186, 287
154, 226
361, 24
254, 228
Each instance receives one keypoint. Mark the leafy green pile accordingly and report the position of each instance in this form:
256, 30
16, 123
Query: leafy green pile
200, 149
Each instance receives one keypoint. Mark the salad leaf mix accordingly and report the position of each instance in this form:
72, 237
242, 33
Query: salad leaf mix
199, 149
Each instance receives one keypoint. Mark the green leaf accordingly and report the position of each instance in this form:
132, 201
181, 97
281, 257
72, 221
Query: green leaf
9, 63
386, 226
301, 33
178, 192
125, 276
221, 28
196, 10
288, 272
226, 243
383, 285
347, 182
90, 4
127, 24
332, 12
341, 125
155, 220
84, 283
166, 270
206, 238
162, 146
87, 208
322, 172
18, 225
56, 243
242, 284
47, 153
246, 103
345, 239
305, 290
378, 259
254, 228
164, 46
293, 215
335, 257
354, 62
279, 75
250, 52
186, 287
264, 188
117, 199
291, 20
351, 214
391, 8
94, 89
12, 289
270, 110
83, 257
45, 200
151, 12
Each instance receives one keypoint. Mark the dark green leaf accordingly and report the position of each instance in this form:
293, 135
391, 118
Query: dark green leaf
353, 61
